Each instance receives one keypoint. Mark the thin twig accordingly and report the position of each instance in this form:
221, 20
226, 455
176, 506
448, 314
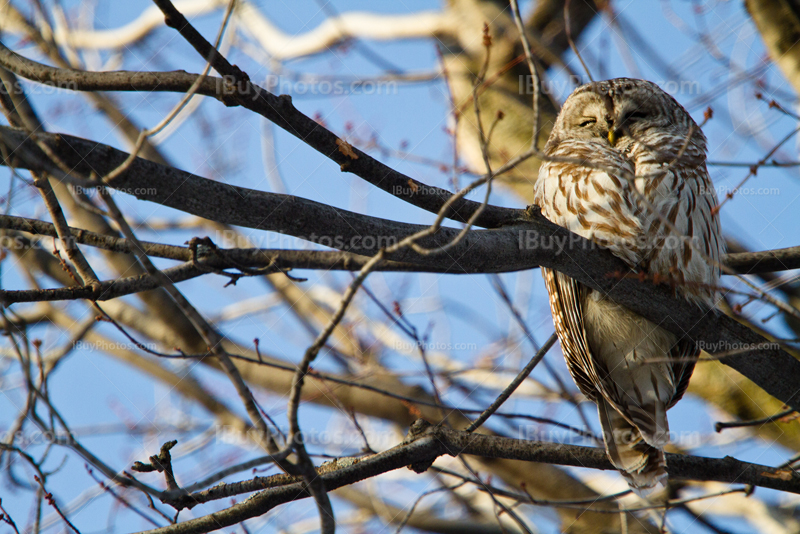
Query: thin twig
568, 32
720, 425
513, 385
537, 91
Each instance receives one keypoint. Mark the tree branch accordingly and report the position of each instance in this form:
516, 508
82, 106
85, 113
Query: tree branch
279, 45
530, 243
278, 109
778, 22
284, 259
426, 443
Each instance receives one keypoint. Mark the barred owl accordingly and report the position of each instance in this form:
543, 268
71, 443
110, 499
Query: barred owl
626, 159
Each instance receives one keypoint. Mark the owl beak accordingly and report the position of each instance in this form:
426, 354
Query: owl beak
612, 137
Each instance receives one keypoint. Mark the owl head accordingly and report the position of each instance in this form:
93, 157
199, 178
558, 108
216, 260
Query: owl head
627, 114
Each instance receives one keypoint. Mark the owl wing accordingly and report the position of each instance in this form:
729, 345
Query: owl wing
684, 355
685, 196
566, 296
597, 203
689, 251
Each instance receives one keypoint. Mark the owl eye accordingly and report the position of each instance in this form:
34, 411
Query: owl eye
635, 115
587, 121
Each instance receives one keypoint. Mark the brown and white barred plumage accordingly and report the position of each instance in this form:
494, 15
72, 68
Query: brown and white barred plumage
628, 134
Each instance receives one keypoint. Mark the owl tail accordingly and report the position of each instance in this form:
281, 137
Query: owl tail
642, 465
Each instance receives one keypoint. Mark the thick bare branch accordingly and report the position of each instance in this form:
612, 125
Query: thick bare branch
778, 21
282, 259
535, 242
278, 44
279, 109
426, 443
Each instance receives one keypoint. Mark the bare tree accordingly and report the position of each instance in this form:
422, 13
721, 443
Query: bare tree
336, 383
